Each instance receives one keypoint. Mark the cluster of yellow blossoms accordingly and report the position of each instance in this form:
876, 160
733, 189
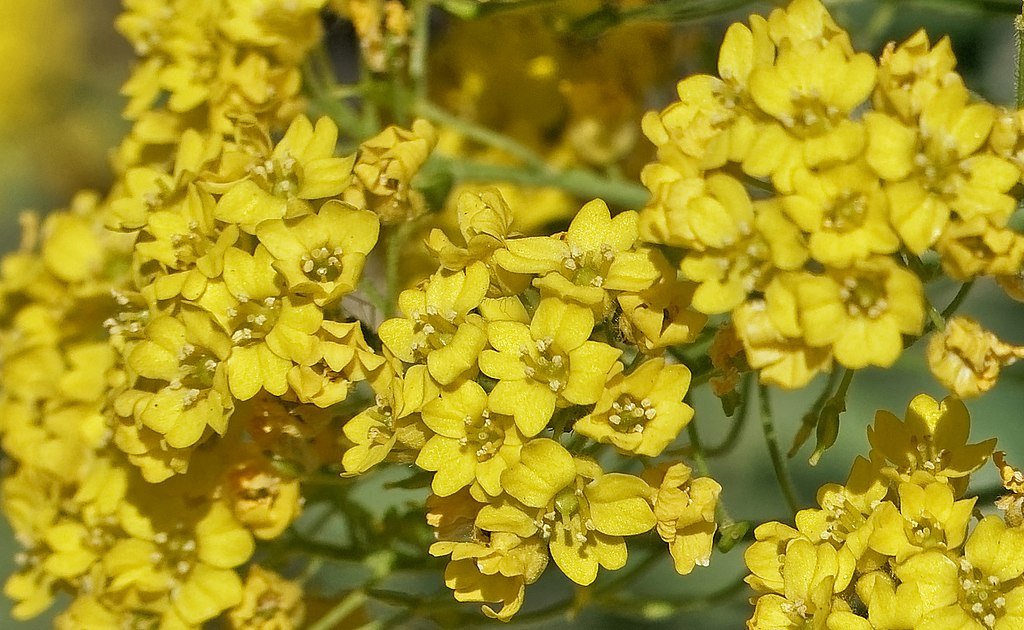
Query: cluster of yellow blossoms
809, 186
504, 350
184, 359
894, 547
169, 349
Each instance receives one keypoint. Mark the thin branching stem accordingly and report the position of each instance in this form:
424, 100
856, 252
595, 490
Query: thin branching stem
778, 461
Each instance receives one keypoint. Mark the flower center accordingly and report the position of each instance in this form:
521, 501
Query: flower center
281, 175
925, 531
432, 330
981, 595
322, 264
588, 268
568, 515
176, 553
483, 435
847, 212
629, 415
545, 364
864, 297
252, 320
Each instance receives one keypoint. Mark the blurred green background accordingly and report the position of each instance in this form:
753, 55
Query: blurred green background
60, 116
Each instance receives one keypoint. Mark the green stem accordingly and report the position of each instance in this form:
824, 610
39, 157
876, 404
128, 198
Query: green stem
957, 300
349, 604
396, 243
935, 320
778, 462
810, 419
662, 608
418, 49
579, 182
951, 308
481, 134
319, 81
742, 413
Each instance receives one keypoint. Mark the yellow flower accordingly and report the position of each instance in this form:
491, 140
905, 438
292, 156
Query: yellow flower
927, 518
485, 566
660, 316
194, 561
185, 356
728, 276
803, 21
765, 556
699, 213
812, 577
580, 511
910, 74
471, 445
393, 420
982, 589
186, 243
384, 169
321, 256
845, 212
269, 602
643, 412
484, 220
811, 89
1013, 480
597, 254
788, 362
684, 507
974, 248
438, 328
550, 362
345, 359
931, 443
941, 168
861, 312
289, 28
845, 519
299, 169
262, 499
967, 359
269, 331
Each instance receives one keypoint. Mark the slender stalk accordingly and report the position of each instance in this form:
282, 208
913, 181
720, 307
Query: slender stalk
935, 320
396, 243
827, 429
1019, 36
778, 462
810, 419
481, 134
582, 183
418, 49
662, 608
348, 604
742, 413
958, 299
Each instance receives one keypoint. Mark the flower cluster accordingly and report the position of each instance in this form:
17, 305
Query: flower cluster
805, 183
893, 547
268, 308
507, 373
146, 460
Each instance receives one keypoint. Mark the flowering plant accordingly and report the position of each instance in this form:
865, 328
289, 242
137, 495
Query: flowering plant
299, 291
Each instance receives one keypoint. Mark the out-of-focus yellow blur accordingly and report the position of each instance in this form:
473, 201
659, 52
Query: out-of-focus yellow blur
59, 106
